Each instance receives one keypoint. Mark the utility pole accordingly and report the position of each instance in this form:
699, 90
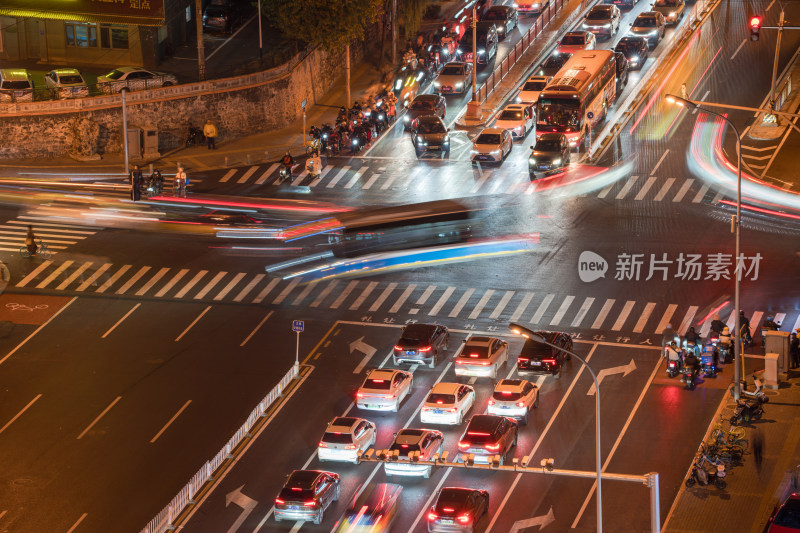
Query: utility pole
394, 32
347, 74
260, 37
772, 100
124, 93
201, 53
474, 106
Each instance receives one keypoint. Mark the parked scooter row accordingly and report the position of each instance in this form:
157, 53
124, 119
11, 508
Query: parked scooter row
750, 406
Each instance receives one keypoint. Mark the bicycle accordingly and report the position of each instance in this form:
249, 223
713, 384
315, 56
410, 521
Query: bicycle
42, 251
735, 436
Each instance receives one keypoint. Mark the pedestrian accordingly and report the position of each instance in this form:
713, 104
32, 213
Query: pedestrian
30, 241
210, 132
794, 349
180, 182
136, 183
684, 95
758, 447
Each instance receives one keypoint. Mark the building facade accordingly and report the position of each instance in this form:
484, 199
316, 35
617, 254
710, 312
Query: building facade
95, 32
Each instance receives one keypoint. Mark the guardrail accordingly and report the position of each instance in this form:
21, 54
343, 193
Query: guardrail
163, 521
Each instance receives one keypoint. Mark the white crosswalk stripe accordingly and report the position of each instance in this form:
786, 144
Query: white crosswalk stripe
246, 176
476, 312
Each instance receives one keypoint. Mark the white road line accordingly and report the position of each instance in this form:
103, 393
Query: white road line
338, 176
2, 429
739, 48
285, 292
356, 177
325, 292
502, 304
683, 190
664, 189
53, 227
53, 275
113, 279
478, 184
231, 284
769, 6
210, 285
300, 178
426, 294
523, 305
250, 171
601, 316
171, 420
700, 194
402, 299
99, 272
623, 315
190, 326
461, 303
72, 277
128, 284
382, 298
442, 300
152, 281
267, 173
388, 183
648, 309
607, 190
364, 360
481, 304
343, 296
645, 188
429, 501
322, 174
33, 274
120, 321
755, 320
305, 292
542, 309
587, 304
228, 175
96, 420
256, 329
627, 187
171, 283
363, 296
562, 311
687, 319
796, 324
266, 290
249, 287
374, 178
76, 524
37, 330
666, 318
661, 160
192, 282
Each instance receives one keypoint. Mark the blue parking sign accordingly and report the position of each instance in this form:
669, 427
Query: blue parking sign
297, 325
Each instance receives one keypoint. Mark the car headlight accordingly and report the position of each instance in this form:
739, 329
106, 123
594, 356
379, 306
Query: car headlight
501, 29
481, 52
556, 161
672, 15
474, 152
459, 84
606, 25
634, 59
495, 152
398, 85
585, 25
459, 51
437, 84
421, 142
406, 119
654, 32
446, 140
532, 160
518, 99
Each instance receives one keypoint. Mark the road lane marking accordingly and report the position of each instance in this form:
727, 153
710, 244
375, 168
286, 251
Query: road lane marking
364, 360
540, 439
700, 194
305, 292
37, 330
192, 282
263, 294
2, 429
322, 174
601, 316
74, 275
336, 178
663, 156
128, 284
300, 178
33, 274
623, 315
363, 296
382, 298
345, 293
687, 319
377, 174
403, 297
228, 175
190, 326
461, 303
53, 275
296, 527
210, 285
325, 292
481, 304
113, 279
587, 304
442, 299
542, 309
175, 279
648, 309
76, 524
250, 171
120, 321
355, 178
430, 499
426, 294
96, 420
481, 181
388, 183
683, 190
231, 284
502, 304
267, 173
256, 329
249, 287
605, 191
562, 310
739, 48
645, 188
627, 187
522, 306
152, 281
171, 420
666, 318
664, 189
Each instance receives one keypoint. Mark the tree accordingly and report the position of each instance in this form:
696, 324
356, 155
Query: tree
411, 12
329, 24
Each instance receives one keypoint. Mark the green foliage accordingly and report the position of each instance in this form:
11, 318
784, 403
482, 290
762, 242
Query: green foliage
410, 12
330, 24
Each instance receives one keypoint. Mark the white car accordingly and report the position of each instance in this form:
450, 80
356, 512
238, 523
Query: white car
454, 78
514, 398
135, 79
532, 88
481, 357
519, 119
344, 437
602, 20
425, 441
491, 145
447, 403
66, 83
575, 41
384, 390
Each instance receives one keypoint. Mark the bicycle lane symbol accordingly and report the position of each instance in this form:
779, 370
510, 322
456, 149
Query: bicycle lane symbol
29, 308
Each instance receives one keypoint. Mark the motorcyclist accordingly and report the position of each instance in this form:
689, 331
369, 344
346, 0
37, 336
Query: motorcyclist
693, 337
314, 165
691, 364
770, 324
30, 241
725, 339
717, 325
668, 336
744, 329
391, 105
288, 162
156, 181
180, 182
672, 352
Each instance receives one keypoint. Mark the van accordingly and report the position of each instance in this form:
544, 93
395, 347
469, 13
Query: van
15, 85
486, 33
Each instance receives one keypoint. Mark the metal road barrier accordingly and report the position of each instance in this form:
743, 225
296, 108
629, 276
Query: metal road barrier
163, 521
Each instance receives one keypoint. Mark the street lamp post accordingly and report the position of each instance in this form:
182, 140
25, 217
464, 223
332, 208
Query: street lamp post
124, 93
528, 334
735, 223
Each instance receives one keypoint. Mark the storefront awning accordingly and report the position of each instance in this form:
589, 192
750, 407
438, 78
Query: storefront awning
134, 12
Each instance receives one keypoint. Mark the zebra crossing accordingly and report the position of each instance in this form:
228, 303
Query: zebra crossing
57, 236
512, 178
392, 301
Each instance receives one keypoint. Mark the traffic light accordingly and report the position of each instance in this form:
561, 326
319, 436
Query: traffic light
755, 27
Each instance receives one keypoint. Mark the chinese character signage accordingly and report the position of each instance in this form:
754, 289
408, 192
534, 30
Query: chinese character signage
150, 10
663, 267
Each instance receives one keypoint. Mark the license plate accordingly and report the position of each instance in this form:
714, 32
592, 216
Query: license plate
483, 157
537, 363
446, 521
410, 352
19, 93
74, 90
433, 147
447, 90
436, 411
505, 407
544, 167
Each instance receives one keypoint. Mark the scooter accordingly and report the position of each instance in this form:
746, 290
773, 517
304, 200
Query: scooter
690, 377
195, 137
750, 406
708, 361
673, 365
705, 471
285, 173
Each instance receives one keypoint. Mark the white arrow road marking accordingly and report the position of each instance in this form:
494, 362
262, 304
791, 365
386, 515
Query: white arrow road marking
364, 348
245, 502
542, 521
624, 370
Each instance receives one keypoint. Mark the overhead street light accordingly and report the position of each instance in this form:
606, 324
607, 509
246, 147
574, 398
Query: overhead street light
735, 227
532, 335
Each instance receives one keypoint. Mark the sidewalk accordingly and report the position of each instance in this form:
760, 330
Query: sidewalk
746, 504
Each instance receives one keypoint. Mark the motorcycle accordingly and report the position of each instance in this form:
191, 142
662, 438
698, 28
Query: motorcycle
709, 360
673, 365
706, 471
195, 137
691, 345
750, 406
285, 173
313, 145
690, 377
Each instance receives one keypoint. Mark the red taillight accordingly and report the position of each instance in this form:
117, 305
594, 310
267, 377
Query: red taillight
359, 395
491, 402
310, 503
493, 447
549, 361
459, 362
522, 359
388, 396
350, 447
425, 349
450, 410
432, 516
278, 501
399, 348
322, 444
464, 519
520, 404
463, 446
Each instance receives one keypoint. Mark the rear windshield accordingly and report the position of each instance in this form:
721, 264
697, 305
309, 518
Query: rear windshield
506, 396
573, 39
599, 14
216, 11
452, 71
488, 138
381, 384
441, 398
71, 79
645, 22
294, 494
405, 449
556, 61
16, 85
475, 352
422, 104
789, 515
337, 438
450, 501
430, 127
511, 115
534, 86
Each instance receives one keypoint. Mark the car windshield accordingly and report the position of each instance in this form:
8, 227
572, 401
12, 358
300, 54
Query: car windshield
511, 115
115, 74
556, 61
563, 113
334, 437
488, 138
573, 39
16, 85
599, 14
506, 396
547, 146
380, 384
493, 14
534, 86
451, 501
422, 104
71, 79
431, 127
645, 22
789, 515
436, 397
475, 352
452, 70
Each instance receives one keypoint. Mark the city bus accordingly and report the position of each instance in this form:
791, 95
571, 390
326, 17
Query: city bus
578, 96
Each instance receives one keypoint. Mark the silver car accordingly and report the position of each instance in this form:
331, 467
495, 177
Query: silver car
481, 357
602, 20
135, 79
384, 390
344, 437
66, 83
514, 398
492, 145
306, 495
454, 78
407, 441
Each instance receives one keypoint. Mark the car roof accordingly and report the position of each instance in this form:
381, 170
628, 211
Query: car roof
647, 14
484, 423
429, 118
511, 385
540, 78
483, 25
343, 423
602, 7
380, 373
553, 136
431, 97
62, 71
492, 130
479, 340
516, 107
577, 33
456, 64
303, 479
128, 69
410, 436
445, 388
14, 74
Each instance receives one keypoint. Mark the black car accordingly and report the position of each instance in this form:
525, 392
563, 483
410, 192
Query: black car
485, 46
306, 495
505, 19
421, 344
537, 358
425, 104
458, 509
553, 64
622, 71
487, 436
635, 49
223, 16
551, 154
429, 134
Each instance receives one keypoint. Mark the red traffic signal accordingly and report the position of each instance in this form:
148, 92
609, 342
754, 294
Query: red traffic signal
755, 27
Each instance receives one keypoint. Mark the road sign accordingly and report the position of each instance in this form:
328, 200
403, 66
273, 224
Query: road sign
298, 325
303, 104
590, 115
